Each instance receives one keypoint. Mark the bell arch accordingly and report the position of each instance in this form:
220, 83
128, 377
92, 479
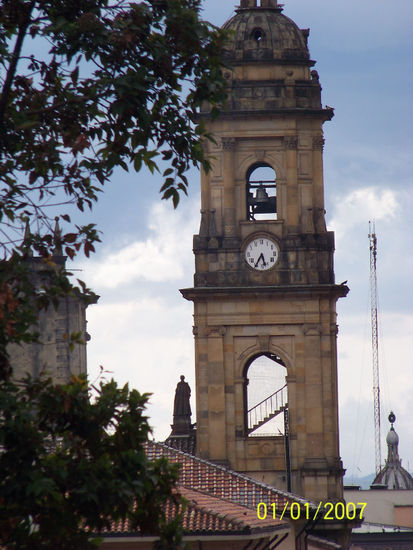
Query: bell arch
261, 189
265, 394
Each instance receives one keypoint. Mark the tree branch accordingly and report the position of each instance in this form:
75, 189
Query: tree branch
14, 60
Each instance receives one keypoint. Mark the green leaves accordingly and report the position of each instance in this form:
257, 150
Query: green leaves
108, 93
71, 464
107, 88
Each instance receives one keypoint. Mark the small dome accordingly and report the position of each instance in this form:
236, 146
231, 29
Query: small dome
263, 33
393, 474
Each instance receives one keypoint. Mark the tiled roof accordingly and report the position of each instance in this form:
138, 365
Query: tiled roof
209, 478
209, 515
219, 501
206, 513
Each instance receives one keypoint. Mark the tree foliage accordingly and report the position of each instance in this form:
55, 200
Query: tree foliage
69, 467
88, 86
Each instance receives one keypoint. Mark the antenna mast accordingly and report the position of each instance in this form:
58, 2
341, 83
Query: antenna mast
375, 343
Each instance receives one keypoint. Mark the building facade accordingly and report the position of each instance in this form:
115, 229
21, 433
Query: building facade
264, 284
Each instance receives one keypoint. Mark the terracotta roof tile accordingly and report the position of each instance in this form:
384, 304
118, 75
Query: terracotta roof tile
219, 501
209, 478
234, 515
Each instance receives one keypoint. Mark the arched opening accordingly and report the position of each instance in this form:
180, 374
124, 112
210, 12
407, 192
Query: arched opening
257, 34
261, 192
265, 396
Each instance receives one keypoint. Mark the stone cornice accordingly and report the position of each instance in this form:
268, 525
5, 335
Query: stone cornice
219, 293
326, 114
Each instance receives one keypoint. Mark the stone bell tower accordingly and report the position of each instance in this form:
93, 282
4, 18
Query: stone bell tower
264, 282
52, 355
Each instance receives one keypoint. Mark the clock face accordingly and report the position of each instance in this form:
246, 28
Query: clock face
261, 253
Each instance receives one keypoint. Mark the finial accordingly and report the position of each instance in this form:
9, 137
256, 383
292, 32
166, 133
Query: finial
392, 418
57, 238
27, 235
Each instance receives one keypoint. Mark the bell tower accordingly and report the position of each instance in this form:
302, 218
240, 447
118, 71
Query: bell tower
264, 287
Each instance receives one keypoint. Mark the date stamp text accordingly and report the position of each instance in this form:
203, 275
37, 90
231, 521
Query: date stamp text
325, 510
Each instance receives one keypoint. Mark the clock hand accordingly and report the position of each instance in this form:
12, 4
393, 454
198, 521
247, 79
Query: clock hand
259, 258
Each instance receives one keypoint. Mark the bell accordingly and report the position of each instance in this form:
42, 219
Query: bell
262, 195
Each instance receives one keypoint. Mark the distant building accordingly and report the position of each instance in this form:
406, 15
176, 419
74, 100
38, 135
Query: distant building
388, 515
52, 354
393, 475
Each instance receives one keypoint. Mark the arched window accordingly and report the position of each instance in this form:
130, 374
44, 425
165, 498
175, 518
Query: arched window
266, 396
261, 192
257, 35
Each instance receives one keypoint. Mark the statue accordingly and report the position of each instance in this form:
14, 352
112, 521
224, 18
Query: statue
182, 436
182, 406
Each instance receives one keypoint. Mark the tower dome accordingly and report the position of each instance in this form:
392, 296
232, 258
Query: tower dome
260, 32
269, 65
393, 474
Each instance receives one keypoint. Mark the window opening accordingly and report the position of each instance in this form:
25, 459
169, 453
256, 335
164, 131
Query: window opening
258, 35
266, 396
261, 193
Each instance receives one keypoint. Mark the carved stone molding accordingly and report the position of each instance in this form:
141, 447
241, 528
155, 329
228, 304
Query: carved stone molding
228, 144
291, 142
318, 143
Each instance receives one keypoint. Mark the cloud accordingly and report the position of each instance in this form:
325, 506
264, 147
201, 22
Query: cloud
141, 328
369, 203
146, 342
161, 256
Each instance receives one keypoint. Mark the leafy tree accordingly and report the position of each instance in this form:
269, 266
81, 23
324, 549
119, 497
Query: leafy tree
69, 467
86, 86
118, 84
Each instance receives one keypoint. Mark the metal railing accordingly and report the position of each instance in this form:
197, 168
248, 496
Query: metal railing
267, 409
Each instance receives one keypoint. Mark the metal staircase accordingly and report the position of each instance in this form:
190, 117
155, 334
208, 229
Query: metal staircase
267, 409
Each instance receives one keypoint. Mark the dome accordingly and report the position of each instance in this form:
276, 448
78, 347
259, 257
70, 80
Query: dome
262, 33
393, 474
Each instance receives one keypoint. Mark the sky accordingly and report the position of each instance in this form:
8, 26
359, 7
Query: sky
141, 328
